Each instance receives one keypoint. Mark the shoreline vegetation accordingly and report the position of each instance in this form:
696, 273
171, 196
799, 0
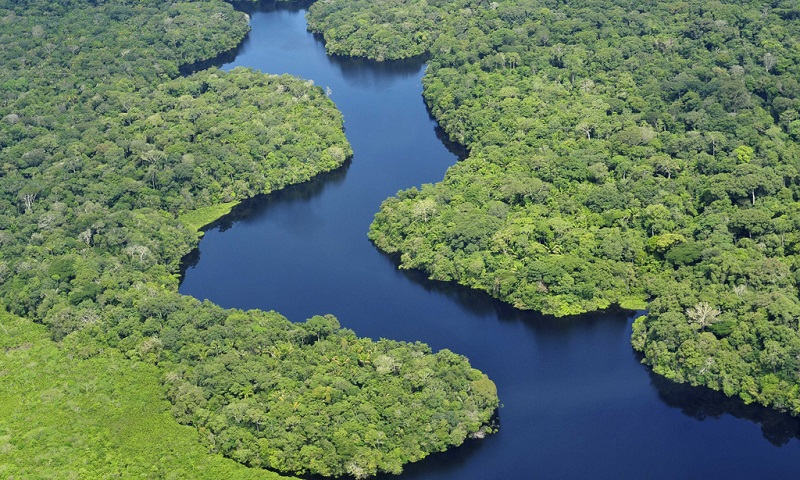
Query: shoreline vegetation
196, 220
111, 163
643, 154
633, 154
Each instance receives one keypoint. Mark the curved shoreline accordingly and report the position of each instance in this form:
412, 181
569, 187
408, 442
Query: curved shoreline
526, 316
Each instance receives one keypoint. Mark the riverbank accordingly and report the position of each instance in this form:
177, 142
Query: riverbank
304, 251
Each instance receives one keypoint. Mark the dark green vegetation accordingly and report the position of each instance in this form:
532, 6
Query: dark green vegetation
103, 150
620, 153
314, 397
381, 30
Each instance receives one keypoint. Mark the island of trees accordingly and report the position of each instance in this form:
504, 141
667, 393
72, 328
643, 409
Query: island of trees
642, 154
110, 163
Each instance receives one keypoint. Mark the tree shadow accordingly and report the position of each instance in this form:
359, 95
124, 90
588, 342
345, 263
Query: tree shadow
437, 464
249, 8
270, 5
702, 403
482, 303
360, 70
221, 59
252, 209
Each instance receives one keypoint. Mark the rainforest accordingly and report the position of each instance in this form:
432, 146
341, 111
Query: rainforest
633, 155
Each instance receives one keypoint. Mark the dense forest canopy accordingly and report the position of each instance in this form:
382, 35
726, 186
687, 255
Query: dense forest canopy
109, 158
643, 154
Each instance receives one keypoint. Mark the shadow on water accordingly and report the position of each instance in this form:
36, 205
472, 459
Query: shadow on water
248, 8
457, 149
271, 6
483, 304
538, 378
702, 403
439, 463
699, 403
355, 69
358, 70
221, 59
252, 209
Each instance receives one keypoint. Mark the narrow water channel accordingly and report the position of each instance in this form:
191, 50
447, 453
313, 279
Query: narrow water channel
577, 403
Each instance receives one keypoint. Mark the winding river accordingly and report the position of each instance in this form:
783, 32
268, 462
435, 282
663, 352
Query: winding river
577, 402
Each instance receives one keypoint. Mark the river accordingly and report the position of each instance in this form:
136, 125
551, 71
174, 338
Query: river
576, 401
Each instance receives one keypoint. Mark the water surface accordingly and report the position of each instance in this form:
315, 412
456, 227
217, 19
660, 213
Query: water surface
577, 402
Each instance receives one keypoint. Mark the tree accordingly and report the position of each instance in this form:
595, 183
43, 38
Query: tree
657, 218
750, 179
769, 61
702, 315
666, 164
27, 199
322, 326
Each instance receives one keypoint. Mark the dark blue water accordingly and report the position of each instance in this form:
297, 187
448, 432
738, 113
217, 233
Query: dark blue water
577, 403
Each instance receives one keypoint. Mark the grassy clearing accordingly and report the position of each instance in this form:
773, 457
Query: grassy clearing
197, 219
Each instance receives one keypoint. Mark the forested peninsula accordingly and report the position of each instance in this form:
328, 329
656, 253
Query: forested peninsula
642, 154
111, 162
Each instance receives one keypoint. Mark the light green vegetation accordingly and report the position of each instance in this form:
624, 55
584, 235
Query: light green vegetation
109, 163
63, 416
620, 153
197, 219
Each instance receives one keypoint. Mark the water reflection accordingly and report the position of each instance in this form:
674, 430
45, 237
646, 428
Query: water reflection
252, 209
702, 403
481, 303
460, 151
578, 404
362, 72
250, 7
221, 59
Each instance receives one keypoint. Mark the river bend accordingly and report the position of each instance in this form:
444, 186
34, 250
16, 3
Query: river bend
577, 402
